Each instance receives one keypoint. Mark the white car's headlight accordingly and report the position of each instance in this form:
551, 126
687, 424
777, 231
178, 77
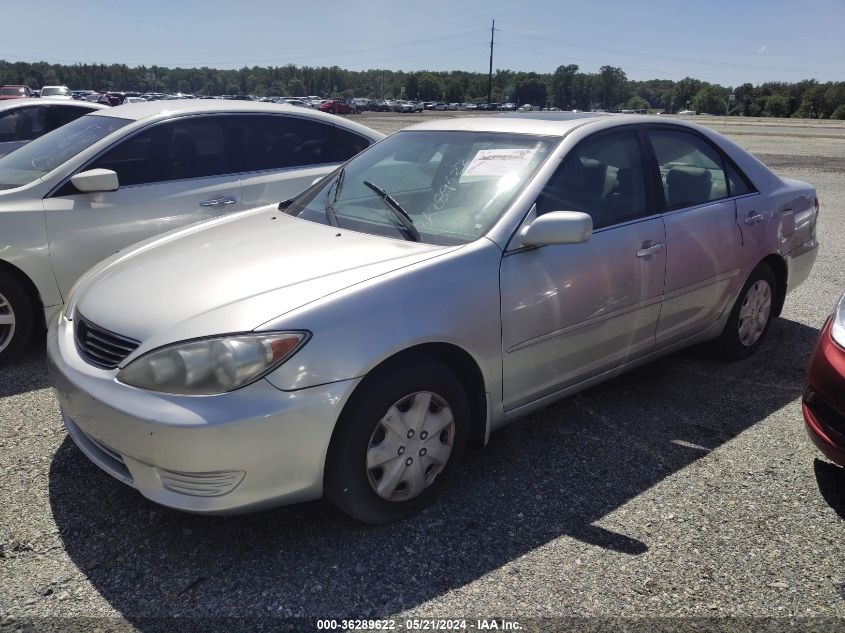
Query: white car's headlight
837, 331
213, 365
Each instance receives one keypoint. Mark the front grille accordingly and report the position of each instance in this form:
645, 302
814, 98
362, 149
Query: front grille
100, 347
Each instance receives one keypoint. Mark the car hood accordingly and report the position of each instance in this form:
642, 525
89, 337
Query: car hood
232, 275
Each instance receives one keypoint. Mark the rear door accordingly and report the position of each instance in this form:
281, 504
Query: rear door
284, 154
705, 257
171, 174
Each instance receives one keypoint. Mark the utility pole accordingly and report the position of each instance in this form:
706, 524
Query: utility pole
490, 74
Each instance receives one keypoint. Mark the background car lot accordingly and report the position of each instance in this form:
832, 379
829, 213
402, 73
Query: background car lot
684, 488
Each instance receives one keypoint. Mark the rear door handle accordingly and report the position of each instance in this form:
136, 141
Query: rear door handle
218, 202
754, 219
650, 249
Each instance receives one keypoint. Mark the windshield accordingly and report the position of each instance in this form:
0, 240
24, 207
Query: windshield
49, 92
8, 92
452, 185
44, 154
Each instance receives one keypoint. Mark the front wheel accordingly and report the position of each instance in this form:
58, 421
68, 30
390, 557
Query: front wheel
750, 317
16, 317
397, 443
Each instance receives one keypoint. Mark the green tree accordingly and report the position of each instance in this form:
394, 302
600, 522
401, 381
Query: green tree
611, 87
777, 105
710, 100
530, 90
839, 113
637, 103
429, 87
454, 91
561, 86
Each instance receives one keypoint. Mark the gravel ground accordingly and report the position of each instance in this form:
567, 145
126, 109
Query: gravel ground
684, 494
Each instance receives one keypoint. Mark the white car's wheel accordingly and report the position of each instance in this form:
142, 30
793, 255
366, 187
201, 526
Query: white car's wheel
15, 318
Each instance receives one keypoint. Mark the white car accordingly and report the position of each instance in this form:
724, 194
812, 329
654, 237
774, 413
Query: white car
23, 120
56, 92
118, 176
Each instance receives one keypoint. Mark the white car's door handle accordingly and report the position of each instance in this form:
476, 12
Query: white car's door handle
218, 202
650, 249
754, 219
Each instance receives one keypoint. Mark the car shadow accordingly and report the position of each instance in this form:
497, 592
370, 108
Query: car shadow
831, 481
29, 371
553, 474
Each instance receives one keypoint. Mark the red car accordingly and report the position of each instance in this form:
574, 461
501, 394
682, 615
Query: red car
14, 92
824, 398
339, 106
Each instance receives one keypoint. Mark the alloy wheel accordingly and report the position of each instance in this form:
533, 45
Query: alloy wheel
7, 323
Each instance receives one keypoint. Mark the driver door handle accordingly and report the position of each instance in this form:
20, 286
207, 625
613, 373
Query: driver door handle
218, 202
754, 218
650, 249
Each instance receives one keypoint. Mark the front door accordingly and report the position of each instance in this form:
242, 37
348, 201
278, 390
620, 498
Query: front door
570, 312
171, 175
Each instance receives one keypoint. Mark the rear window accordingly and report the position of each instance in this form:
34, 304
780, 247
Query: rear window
12, 92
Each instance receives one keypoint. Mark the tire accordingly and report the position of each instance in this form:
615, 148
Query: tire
412, 479
750, 317
16, 316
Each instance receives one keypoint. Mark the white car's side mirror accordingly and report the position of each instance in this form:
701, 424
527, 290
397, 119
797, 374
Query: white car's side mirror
557, 227
95, 180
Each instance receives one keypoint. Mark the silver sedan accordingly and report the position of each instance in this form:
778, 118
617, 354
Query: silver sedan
350, 342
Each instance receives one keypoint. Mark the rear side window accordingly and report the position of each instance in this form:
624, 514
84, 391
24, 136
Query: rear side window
176, 150
603, 177
58, 115
22, 124
738, 184
691, 170
279, 142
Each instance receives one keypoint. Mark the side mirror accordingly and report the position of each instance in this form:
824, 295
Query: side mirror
558, 227
95, 180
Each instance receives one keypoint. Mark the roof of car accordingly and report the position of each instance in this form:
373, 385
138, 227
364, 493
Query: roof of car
552, 124
16, 103
170, 107
539, 123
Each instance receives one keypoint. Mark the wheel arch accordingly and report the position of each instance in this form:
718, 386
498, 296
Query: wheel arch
778, 266
453, 357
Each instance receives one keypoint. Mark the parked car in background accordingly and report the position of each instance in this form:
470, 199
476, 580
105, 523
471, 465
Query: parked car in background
824, 398
451, 278
14, 92
23, 120
294, 102
56, 92
118, 176
339, 106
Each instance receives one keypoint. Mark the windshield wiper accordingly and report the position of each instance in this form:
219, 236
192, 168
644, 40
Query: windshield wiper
329, 206
397, 210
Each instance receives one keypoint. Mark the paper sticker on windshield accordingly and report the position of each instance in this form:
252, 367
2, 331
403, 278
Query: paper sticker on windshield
499, 162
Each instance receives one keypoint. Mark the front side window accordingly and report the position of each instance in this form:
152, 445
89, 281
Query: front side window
603, 177
691, 171
453, 185
175, 150
44, 154
58, 115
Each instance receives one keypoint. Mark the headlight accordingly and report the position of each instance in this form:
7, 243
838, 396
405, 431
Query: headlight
837, 331
213, 365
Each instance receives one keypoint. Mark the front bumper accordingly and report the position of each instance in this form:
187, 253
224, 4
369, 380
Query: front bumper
824, 399
248, 449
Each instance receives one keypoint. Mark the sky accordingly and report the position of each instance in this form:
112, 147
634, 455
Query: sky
725, 42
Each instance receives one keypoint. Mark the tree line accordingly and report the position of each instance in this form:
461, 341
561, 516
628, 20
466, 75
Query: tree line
566, 88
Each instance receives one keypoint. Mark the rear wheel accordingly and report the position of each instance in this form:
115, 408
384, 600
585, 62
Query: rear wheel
750, 317
397, 443
16, 317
